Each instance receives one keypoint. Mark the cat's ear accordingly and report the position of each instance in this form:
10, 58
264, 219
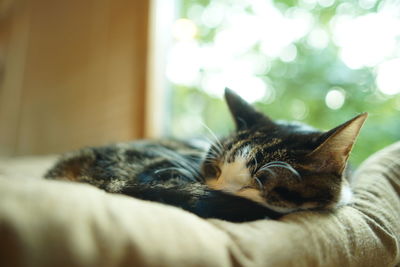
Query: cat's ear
332, 154
244, 115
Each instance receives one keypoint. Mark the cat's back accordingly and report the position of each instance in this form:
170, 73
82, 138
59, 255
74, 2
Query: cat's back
112, 167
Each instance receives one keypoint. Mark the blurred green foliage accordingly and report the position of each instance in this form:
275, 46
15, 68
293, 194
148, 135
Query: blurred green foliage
305, 80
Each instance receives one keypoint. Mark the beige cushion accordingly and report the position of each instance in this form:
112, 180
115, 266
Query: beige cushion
52, 223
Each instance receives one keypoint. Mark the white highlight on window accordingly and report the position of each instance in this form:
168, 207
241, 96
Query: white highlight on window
183, 63
184, 30
213, 15
289, 53
367, 4
335, 98
318, 38
366, 41
250, 88
326, 3
388, 77
293, 25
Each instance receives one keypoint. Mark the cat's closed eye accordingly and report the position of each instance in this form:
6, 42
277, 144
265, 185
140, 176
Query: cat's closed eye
261, 178
211, 170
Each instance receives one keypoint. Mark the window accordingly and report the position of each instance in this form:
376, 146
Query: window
316, 61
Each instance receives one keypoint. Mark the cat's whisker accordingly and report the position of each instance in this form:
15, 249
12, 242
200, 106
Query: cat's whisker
213, 135
180, 163
293, 170
213, 144
254, 156
280, 164
214, 152
209, 159
167, 169
212, 155
259, 183
267, 168
182, 171
191, 156
276, 162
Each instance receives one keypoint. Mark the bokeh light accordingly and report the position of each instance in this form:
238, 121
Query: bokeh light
388, 77
335, 98
183, 63
184, 29
299, 109
367, 40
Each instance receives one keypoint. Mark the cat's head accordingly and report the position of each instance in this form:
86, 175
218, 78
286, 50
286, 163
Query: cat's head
284, 166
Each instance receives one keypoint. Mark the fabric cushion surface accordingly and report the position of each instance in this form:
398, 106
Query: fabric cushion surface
55, 223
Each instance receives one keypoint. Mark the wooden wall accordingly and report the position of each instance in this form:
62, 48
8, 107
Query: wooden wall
74, 74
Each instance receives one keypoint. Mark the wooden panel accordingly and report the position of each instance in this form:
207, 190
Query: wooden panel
84, 74
14, 41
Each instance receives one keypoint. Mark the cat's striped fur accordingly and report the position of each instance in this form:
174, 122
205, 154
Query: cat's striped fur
166, 171
264, 169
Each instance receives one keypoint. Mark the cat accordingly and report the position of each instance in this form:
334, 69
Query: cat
265, 169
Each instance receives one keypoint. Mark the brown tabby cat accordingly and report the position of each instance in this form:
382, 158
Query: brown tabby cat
264, 169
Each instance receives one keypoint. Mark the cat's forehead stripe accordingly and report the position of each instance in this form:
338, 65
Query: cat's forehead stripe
258, 147
235, 150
